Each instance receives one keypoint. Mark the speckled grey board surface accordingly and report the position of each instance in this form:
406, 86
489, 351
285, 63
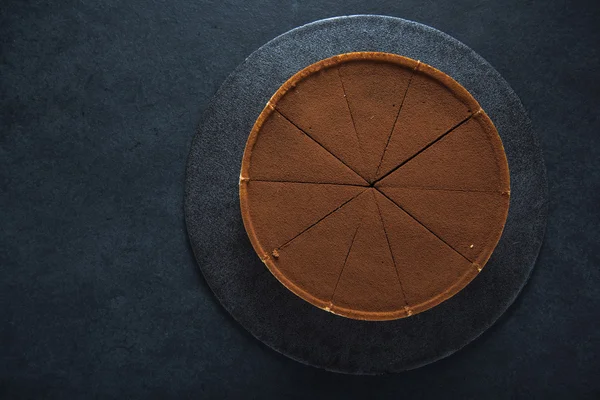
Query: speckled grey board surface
285, 322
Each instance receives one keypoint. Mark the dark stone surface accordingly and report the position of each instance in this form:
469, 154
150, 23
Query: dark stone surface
100, 295
275, 315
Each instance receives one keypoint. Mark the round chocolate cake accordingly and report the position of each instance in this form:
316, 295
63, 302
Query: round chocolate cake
374, 186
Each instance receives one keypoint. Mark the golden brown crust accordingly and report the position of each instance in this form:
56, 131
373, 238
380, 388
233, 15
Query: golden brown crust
335, 60
451, 291
459, 91
498, 147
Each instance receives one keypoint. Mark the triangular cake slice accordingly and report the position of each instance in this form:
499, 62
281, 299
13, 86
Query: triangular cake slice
461, 219
369, 282
282, 152
311, 263
434, 104
317, 105
468, 158
429, 269
280, 211
375, 91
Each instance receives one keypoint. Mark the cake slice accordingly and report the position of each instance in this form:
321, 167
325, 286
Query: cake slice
434, 105
429, 269
375, 91
281, 211
369, 282
317, 105
470, 157
461, 219
311, 263
282, 152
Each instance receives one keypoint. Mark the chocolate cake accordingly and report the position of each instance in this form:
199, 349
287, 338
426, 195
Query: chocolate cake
374, 186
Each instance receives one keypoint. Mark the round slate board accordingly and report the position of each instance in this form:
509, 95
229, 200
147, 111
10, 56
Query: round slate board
266, 308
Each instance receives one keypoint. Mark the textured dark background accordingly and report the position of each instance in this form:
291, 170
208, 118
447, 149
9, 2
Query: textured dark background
99, 292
